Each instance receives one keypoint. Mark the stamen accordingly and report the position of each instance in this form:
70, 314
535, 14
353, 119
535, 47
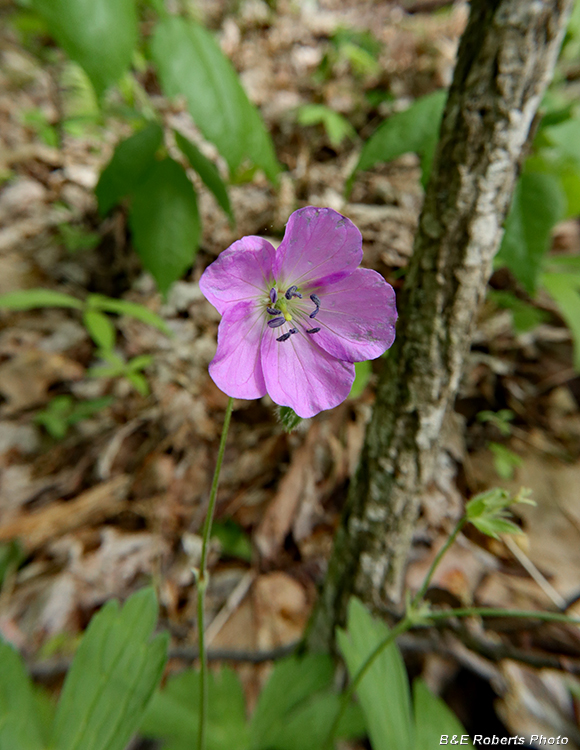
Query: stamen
272, 311
292, 291
276, 322
273, 295
286, 336
312, 330
315, 299
315, 313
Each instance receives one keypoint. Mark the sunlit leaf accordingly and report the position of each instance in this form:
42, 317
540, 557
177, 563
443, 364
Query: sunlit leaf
537, 205
100, 35
384, 690
191, 64
100, 329
28, 299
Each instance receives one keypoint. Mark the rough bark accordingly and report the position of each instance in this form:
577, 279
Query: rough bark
505, 60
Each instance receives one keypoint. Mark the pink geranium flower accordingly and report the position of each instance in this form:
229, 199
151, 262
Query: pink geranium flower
295, 319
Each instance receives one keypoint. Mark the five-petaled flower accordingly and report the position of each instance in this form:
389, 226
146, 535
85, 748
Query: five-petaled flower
295, 319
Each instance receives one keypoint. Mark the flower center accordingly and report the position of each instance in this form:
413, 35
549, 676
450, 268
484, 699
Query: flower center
278, 309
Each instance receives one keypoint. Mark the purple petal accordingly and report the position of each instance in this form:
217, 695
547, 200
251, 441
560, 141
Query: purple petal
300, 375
319, 246
242, 272
357, 316
236, 367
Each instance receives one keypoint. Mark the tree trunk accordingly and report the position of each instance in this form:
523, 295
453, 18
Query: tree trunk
505, 61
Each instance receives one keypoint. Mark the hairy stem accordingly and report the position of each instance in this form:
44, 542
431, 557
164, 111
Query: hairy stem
202, 579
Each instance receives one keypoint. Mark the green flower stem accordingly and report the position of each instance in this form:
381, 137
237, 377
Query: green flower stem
202, 579
404, 625
447, 614
438, 557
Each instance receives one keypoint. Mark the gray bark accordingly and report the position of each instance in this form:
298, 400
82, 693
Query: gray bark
505, 60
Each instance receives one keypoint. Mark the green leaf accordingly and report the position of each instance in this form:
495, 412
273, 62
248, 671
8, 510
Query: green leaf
310, 724
191, 64
415, 130
233, 539
290, 420
133, 158
165, 223
28, 299
207, 171
525, 316
100, 35
139, 382
337, 127
363, 372
173, 714
19, 724
11, 555
565, 289
132, 309
433, 719
537, 205
100, 329
504, 460
112, 677
291, 684
384, 690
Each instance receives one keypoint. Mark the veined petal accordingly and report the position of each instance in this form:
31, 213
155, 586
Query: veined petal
357, 316
242, 272
236, 368
319, 246
300, 375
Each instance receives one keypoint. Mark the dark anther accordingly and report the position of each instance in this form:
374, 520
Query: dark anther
284, 336
276, 322
315, 313
272, 311
292, 291
293, 330
273, 295
315, 299
312, 330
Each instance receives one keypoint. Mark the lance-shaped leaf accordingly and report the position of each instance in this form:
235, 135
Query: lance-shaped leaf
100, 35
19, 721
191, 64
114, 673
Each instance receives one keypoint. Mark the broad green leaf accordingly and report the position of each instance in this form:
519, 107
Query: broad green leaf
132, 309
165, 223
19, 724
415, 130
309, 724
537, 205
100, 35
173, 714
384, 690
191, 64
133, 158
112, 678
363, 372
565, 289
291, 684
433, 719
100, 329
565, 139
28, 299
207, 171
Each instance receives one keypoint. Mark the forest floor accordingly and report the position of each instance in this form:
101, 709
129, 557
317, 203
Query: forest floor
120, 499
